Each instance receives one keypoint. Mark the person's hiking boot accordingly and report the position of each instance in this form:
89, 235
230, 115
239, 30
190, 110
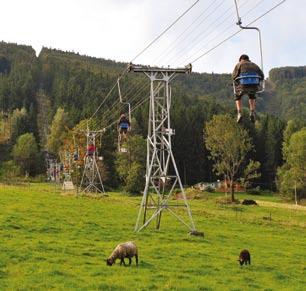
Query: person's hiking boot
239, 117
252, 116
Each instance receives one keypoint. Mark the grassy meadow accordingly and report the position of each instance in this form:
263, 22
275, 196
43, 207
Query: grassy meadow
60, 242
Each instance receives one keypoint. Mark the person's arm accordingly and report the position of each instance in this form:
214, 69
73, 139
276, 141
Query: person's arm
236, 72
261, 74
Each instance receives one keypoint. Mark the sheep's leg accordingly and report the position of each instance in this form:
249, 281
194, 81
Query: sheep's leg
249, 261
122, 262
136, 257
130, 261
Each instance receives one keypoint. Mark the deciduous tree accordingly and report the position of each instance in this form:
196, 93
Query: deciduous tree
228, 144
58, 131
292, 175
25, 153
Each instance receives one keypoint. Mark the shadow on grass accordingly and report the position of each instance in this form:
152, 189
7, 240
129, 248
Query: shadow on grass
146, 265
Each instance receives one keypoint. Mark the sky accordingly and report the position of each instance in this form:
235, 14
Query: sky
120, 29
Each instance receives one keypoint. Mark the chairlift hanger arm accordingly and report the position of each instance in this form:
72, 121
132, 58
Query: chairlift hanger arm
239, 23
120, 95
121, 101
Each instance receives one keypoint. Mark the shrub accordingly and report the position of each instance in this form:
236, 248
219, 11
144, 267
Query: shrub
135, 181
9, 172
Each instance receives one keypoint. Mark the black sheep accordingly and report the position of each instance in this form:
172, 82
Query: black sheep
249, 202
244, 257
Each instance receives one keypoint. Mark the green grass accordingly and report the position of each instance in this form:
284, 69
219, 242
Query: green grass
50, 241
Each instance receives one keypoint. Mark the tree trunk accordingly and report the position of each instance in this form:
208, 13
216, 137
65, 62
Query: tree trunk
232, 185
225, 186
295, 194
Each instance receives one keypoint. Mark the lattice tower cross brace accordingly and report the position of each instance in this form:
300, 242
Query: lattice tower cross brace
159, 153
91, 178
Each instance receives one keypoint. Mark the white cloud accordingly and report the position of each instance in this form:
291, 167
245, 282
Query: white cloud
119, 29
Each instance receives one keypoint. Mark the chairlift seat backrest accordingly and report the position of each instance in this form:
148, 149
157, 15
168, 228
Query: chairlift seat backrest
124, 125
248, 79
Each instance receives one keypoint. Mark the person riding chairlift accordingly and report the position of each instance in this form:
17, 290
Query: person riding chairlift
76, 155
123, 126
242, 70
91, 150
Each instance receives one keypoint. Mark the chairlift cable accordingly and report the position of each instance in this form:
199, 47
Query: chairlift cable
234, 34
115, 111
220, 20
167, 29
142, 51
220, 34
125, 96
209, 31
132, 110
112, 110
187, 28
193, 61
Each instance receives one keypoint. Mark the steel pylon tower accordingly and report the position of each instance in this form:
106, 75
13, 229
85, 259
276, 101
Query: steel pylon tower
91, 178
159, 188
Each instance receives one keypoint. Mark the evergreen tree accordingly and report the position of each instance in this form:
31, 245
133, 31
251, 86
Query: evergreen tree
79, 84
188, 117
108, 151
268, 141
131, 165
20, 123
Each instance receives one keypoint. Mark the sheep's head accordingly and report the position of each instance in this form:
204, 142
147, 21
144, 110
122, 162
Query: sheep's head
241, 261
109, 262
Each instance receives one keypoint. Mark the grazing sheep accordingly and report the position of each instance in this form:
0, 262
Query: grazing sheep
122, 251
249, 202
196, 233
244, 257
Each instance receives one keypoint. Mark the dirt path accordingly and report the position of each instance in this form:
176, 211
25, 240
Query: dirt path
281, 205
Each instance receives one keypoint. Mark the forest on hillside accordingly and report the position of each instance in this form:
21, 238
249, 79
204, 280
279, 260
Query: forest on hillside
44, 99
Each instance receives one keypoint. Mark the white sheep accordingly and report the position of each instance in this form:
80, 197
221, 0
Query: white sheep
122, 251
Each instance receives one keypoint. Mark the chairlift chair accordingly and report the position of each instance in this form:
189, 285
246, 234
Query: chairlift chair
123, 125
250, 79
254, 83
